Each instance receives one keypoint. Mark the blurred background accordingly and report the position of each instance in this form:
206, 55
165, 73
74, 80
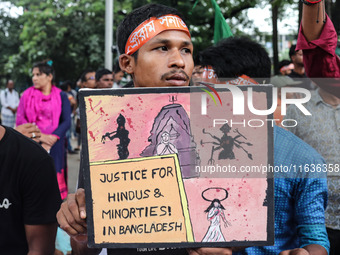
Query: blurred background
72, 33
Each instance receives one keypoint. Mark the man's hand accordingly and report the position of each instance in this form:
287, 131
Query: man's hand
311, 249
46, 147
72, 214
298, 251
210, 251
29, 130
13, 110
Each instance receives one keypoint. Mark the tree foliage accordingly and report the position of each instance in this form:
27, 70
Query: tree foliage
9, 40
71, 33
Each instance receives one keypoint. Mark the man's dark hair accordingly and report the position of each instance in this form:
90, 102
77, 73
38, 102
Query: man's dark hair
138, 16
235, 56
83, 75
292, 51
101, 72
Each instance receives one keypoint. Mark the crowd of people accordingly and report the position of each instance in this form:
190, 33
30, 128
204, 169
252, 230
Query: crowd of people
33, 157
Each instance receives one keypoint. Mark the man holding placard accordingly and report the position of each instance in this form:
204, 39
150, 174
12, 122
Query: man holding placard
163, 58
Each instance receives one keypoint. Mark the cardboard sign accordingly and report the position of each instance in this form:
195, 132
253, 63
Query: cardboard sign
171, 167
138, 199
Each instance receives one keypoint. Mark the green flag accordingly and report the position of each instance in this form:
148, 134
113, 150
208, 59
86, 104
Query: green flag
222, 29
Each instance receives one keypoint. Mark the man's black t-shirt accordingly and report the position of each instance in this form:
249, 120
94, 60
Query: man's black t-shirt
29, 193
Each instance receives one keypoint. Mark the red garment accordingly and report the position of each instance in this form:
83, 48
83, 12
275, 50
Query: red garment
320, 59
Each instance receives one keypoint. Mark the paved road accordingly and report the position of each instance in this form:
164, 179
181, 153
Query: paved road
73, 161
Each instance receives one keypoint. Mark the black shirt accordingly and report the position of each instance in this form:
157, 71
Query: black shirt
29, 193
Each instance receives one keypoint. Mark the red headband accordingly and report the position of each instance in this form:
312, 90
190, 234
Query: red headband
209, 75
152, 27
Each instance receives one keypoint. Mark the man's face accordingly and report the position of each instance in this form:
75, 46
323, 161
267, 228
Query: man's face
90, 80
166, 60
106, 81
10, 85
297, 59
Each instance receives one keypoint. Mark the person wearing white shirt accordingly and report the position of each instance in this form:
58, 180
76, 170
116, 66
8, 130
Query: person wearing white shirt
9, 101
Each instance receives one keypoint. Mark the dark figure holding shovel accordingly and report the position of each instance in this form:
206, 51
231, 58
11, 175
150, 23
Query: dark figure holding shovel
123, 135
226, 143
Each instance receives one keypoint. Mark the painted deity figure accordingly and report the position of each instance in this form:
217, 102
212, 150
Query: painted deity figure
165, 146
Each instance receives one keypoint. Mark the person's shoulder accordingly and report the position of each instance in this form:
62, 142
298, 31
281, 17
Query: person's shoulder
63, 95
29, 149
3, 91
293, 144
299, 158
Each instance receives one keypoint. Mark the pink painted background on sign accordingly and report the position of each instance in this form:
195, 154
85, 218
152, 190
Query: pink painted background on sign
257, 136
243, 208
139, 112
244, 205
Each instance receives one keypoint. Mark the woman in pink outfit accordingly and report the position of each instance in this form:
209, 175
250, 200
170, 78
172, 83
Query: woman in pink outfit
48, 107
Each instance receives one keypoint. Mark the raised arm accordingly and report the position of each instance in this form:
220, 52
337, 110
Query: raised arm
318, 41
313, 19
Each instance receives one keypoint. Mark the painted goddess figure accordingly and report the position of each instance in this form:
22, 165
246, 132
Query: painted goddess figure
215, 214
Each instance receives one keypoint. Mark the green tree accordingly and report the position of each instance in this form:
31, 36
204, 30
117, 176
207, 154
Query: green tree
201, 18
278, 10
71, 33
9, 41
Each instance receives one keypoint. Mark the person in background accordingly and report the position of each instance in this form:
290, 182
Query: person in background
321, 131
29, 196
318, 41
48, 107
298, 73
66, 86
285, 67
9, 99
118, 76
299, 202
88, 79
104, 79
197, 74
281, 81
